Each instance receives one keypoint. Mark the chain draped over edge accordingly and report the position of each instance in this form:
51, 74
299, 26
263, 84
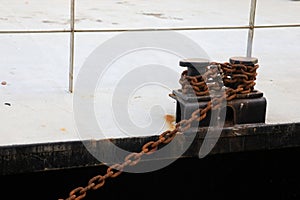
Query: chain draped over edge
237, 79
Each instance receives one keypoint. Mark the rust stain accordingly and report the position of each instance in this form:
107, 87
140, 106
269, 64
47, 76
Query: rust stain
63, 129
170, 119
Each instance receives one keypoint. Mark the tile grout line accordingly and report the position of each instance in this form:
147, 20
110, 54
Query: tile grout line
149, 29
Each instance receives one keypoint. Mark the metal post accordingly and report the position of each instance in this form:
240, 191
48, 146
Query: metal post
251, 28
71, 62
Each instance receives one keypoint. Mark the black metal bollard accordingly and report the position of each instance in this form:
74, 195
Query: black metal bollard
187, 103
244, 109
249, 107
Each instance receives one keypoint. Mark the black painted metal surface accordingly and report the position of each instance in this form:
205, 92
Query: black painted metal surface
245, 109
18, 159
272, 174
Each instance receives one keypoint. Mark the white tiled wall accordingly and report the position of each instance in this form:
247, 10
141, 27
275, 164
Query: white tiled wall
35, 51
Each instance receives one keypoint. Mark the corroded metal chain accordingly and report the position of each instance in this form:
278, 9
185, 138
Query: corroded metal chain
237, 79
115, 170
234, 76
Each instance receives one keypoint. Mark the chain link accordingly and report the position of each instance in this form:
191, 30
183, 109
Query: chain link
237, 79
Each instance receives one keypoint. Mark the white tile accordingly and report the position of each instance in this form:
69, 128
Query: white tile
119, 14
137, 107
34, 15
278, 52
273, 12
35, 105
220, 45
34, 61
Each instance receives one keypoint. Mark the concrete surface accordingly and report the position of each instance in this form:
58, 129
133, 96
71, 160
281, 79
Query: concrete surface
36, 107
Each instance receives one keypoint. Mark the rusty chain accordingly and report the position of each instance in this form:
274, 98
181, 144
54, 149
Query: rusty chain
237, 79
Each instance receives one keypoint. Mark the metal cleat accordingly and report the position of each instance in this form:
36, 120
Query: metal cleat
245, 108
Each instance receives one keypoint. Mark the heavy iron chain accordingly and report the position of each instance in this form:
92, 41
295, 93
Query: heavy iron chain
237, 79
